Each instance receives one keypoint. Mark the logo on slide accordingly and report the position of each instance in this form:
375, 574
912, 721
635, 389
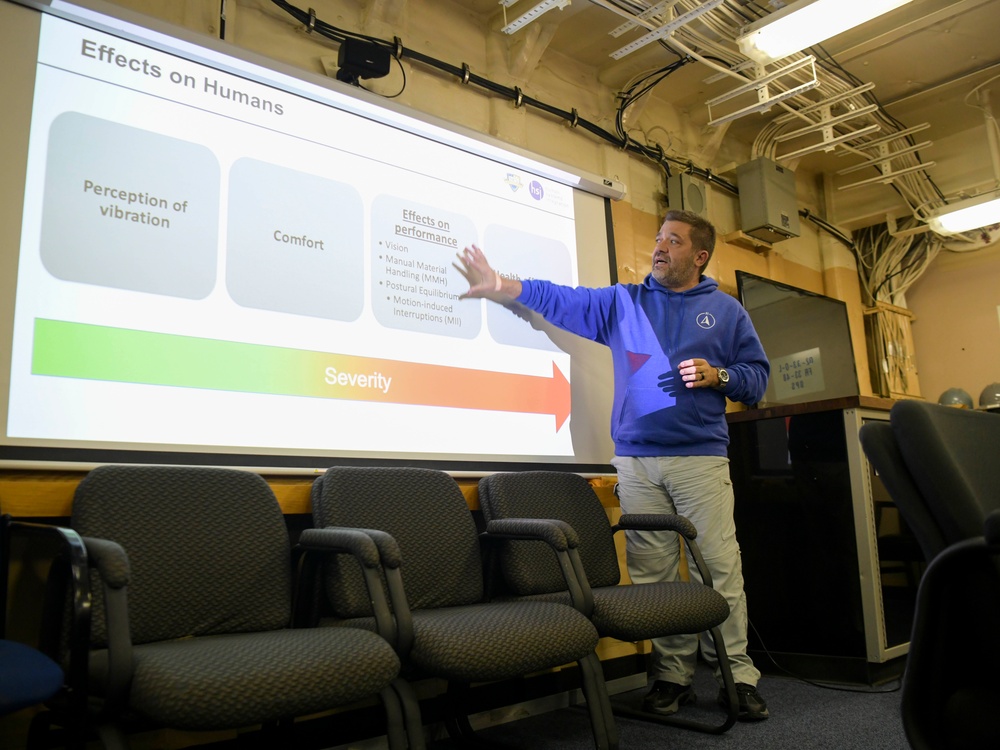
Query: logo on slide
706, 320
513, 182
536, 190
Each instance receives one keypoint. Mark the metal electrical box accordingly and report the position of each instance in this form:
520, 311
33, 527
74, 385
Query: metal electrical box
686, 193
768, 209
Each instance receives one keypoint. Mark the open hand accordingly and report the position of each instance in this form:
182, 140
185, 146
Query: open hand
483, 280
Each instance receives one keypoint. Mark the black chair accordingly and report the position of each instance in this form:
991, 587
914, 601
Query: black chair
28, 677
627, 612
940, 466
952, 456
950, 687
878, 440
192, 583
442, 623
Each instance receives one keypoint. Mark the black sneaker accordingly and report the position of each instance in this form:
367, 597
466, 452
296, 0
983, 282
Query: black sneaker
752, 706
666, 698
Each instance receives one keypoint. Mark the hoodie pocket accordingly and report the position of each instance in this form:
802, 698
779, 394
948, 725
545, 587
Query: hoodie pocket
645, 415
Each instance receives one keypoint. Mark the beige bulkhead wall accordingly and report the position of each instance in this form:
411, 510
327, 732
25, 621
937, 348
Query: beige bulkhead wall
449, 32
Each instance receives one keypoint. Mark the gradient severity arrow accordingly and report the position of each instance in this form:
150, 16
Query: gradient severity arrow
92, 352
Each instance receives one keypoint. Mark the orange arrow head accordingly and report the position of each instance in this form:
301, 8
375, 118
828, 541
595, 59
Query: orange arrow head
435, 385
561, 398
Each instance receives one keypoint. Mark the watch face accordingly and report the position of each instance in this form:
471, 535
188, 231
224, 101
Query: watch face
723, 376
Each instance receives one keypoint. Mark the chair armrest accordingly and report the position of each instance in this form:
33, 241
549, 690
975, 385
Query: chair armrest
657, 522
111, 563
110, 560
340, 540
563, 540
388, 548
378, 554
669, 522
392, 561
557, 534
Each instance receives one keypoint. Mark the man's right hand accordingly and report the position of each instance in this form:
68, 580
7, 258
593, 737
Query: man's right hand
484, 282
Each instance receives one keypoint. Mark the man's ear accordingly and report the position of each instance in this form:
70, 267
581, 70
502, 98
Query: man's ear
701, 258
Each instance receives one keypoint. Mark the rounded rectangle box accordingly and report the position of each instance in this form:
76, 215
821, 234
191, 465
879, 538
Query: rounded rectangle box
294, 242
129, 209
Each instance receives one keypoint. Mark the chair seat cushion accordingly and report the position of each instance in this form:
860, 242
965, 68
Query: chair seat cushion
27, 677
635, 612
646, 610
497, 641
189, 683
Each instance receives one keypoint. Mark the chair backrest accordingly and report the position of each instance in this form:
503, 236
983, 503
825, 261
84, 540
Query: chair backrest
948, 702
425, 512
879, 443
27, 676
208, 548
939, 464
530, 567
953, 457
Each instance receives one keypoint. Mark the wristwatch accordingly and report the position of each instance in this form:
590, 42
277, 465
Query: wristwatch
723, 377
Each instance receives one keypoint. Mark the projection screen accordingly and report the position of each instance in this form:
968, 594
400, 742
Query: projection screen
209, 257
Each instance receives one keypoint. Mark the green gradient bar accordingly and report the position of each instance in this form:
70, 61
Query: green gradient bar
123, 355
91, 352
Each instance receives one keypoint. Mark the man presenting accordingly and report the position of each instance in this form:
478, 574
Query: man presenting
680, 347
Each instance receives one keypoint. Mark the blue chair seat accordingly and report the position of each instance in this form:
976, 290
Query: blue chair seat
27, 677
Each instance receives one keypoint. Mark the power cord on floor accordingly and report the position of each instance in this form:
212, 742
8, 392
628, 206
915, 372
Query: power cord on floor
826, 686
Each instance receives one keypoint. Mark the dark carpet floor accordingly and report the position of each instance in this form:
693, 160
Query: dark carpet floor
803, 716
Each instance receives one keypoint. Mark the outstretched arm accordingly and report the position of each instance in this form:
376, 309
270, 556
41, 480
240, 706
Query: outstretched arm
484, 282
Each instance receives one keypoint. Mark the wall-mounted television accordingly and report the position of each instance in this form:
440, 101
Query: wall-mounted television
807, 339
207, 256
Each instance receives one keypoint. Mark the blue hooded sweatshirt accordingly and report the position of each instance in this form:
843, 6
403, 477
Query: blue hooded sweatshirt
650, 331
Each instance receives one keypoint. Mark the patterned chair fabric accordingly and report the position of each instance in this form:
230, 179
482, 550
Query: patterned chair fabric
629, 613
456, 634
204, 639
940, 467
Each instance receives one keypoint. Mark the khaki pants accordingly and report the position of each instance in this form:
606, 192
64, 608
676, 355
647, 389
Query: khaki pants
700, 489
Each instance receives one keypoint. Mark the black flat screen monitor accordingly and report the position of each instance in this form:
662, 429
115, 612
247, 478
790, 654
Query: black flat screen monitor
807, 338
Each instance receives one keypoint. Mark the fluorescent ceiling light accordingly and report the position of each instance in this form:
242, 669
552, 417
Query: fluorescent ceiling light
802, 24
964, 216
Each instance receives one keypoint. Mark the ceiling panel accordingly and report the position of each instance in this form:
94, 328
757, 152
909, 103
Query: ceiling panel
924, 59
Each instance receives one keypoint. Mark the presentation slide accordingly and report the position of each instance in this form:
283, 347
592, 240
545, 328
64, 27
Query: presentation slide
209, 263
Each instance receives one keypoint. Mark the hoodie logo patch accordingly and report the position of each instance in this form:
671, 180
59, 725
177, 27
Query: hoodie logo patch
705, 320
